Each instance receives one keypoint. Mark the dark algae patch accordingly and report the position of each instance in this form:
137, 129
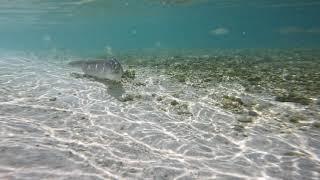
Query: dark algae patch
174, 103
316, 125
294, 97
296, 118
53, 99
294, 153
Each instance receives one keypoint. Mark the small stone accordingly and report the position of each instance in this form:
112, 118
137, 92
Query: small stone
140, 84
316, 124
127, 97
53, 99
132, 170
245, 119
207, 80
159, 98
253, 113
174, 103
163, 109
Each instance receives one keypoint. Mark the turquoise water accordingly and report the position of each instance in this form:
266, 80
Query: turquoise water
92, 26
160, 89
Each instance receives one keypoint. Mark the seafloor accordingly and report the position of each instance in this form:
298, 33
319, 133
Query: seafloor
227, 114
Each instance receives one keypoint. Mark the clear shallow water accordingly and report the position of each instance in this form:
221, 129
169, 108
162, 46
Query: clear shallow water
56, 126
194, 108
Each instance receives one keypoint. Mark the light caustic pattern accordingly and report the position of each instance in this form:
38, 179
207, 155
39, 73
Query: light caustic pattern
56, 126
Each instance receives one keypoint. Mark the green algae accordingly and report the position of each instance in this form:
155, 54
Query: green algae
182, 109
129, 74
297, 118
294, 153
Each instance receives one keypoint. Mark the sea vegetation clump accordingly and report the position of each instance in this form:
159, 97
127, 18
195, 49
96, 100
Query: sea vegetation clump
232, 103
294, 97
288, 75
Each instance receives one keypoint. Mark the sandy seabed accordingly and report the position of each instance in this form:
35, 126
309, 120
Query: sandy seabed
56, 126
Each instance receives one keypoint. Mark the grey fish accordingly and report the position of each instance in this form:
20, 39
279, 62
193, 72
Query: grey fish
103, 69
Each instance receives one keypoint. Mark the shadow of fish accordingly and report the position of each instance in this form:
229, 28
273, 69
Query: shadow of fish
114, 88
102, 69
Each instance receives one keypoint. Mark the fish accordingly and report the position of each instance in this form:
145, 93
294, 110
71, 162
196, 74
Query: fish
103, 69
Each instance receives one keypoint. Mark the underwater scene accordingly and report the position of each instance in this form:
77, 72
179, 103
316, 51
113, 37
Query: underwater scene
160, 89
